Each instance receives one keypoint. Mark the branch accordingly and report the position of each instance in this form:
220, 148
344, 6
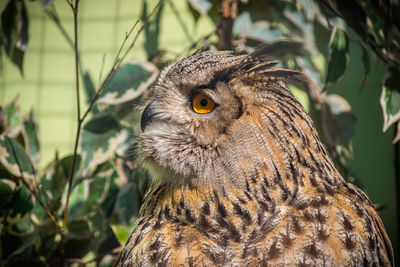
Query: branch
228, 12
117, 62
74, 8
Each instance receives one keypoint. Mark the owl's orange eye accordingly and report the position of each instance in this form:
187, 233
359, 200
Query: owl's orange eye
202, 104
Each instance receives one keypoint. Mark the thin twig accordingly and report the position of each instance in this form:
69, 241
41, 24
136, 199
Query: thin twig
124, 41
396, 149
80, 120
72, 170
119, 60
103, 59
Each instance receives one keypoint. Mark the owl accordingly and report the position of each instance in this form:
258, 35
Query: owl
240, 176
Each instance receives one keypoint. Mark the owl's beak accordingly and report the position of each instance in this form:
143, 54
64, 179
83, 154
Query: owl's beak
147, 114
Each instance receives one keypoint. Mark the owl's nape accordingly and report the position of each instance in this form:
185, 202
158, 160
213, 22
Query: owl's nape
241, 177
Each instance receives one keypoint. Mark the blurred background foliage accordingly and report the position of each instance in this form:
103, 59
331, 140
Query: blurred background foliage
79, 208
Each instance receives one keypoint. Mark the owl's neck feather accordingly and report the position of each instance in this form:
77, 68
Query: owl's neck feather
268, 190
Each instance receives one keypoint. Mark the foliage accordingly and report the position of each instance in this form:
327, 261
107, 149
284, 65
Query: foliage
107, 187
102, 209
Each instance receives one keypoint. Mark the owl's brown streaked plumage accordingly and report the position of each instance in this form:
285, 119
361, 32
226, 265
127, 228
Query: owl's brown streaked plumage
248, 183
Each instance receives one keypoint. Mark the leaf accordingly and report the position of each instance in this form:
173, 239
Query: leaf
21, 204
14, 158
79, 229
390, 98
14, 31
367, 67
262, 31
102, 192
31, 136
90, 91
129, 82
98, 148
108, 241
397, 137
121, 232
201, 6
6, 191
152, 31
79, 238
109, 197
127, 205
78, 198
13, 116
101, 123
242, 23
345, 118
354, 15
46, 3
339, 59
29, 241
54, 181
335, 122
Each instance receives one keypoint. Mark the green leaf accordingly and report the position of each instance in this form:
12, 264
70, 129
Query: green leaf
101, 123
335, 122
122, 233
31, 136
13, 115
29, 241
201, 6
390, 98
397, 137
14, 158
108, 241
129, 82
6, 190
127, 205
79, 229
263, 32
79, 196
98, 148
54, 181
339, 59
14, 31
367, 67
21, 204
109, 196
79, 238
46, 3
344, 117
90, 91
102, 191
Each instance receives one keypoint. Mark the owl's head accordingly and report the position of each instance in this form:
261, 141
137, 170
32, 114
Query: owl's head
215, 114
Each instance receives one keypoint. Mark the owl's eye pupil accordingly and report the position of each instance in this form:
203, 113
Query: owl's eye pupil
204, 102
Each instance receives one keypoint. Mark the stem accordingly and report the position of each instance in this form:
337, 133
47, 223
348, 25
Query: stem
80, 120
72, 170
397, 179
